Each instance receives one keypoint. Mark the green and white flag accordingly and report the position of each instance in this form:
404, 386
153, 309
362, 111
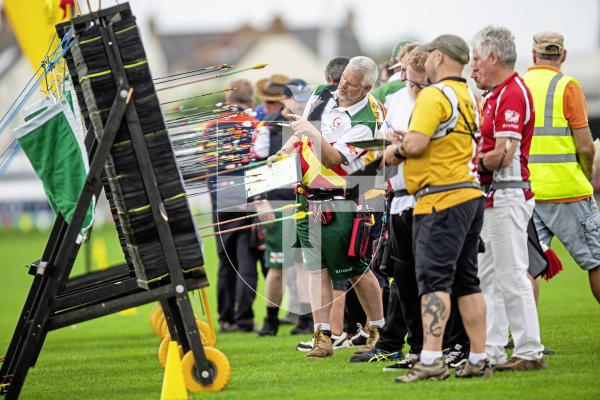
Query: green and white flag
36, 108
52, 139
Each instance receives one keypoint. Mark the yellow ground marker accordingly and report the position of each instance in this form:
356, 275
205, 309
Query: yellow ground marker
173, 387
99, 254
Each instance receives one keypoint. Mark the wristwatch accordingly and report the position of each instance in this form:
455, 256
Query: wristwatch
481, 167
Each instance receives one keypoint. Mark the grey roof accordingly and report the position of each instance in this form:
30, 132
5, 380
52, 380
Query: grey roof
347, 41
191, 50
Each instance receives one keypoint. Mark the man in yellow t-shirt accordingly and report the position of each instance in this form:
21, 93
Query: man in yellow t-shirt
440, 170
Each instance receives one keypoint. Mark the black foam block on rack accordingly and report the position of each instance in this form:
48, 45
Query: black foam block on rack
96, 84
151, 256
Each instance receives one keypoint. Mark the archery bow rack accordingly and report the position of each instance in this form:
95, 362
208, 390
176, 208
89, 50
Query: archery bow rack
132, 159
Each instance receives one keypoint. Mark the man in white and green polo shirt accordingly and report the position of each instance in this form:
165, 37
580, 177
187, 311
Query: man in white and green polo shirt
346, 115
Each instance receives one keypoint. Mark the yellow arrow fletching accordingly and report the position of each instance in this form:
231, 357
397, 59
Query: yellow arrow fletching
301, 214
286, 207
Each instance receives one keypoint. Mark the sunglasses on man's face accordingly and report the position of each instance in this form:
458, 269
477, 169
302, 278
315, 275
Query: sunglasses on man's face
417, 85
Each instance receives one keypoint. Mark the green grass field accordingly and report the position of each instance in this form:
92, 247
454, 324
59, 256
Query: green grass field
115, 357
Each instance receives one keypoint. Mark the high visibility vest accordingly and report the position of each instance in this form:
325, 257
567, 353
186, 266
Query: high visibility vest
555, 171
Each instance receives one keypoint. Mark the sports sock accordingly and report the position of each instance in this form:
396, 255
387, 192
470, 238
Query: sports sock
323, 325
474, 358
428, 356
272, 312
379, 323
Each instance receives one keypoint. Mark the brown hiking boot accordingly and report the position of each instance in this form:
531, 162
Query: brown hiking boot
519, 364
419, 372
373, 332
481, 369
322, 346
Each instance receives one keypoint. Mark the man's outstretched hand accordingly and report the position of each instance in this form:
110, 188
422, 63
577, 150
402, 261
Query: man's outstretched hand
301, 126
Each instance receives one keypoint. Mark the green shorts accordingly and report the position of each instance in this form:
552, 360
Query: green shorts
330, 250
280, 253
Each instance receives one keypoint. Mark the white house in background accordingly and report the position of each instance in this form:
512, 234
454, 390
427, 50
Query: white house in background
296, 52
286, 54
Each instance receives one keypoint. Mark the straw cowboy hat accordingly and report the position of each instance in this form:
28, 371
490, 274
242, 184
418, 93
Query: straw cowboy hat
271, 89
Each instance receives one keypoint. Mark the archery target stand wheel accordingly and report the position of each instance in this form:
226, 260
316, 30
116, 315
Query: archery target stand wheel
219, 371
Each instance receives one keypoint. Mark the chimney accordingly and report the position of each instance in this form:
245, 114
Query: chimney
328, 44
350, 17
277, 25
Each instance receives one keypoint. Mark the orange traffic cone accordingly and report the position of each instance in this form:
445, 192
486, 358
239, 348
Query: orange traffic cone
173, 387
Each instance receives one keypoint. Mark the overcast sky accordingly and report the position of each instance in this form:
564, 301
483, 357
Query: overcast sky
379, 23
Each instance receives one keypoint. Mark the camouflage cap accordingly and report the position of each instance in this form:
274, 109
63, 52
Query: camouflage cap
451, 45
551, 43
396, 50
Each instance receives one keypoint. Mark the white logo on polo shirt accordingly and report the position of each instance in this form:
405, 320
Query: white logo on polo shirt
512, 116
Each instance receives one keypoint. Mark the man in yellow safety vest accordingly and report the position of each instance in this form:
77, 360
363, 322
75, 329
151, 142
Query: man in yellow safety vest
561, 158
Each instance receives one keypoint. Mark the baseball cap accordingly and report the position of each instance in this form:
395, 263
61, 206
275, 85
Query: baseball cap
403, 49
297, 89
396, 49
548, 43
451, 45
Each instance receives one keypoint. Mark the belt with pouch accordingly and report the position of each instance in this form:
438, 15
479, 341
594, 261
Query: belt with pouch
320, 203
401, 193
427, 190
328, 194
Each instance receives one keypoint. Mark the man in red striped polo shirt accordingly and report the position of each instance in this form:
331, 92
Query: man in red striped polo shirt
506, 133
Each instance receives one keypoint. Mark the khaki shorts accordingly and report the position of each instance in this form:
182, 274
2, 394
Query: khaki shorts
575, 224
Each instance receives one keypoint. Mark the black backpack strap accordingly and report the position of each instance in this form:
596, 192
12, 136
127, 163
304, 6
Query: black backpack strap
318, 106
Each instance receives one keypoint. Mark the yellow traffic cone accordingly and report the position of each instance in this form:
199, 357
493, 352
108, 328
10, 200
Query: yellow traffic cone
173, 387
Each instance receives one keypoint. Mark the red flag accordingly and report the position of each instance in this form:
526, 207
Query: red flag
554, 263
64, 4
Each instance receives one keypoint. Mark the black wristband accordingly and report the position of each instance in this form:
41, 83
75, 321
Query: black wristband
399, 155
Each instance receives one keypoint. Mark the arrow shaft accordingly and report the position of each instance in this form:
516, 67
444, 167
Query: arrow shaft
196, 97
286, 207
251, 165
241, 228
237, 71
